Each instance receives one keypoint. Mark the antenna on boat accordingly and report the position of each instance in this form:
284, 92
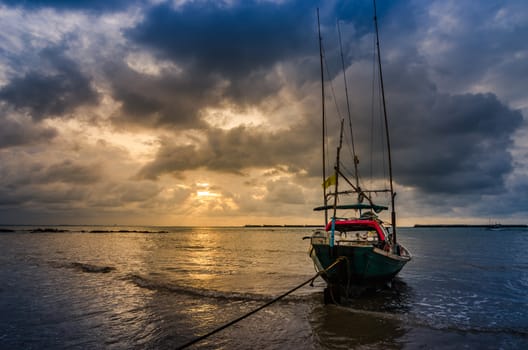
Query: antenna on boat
393, 194
323, 113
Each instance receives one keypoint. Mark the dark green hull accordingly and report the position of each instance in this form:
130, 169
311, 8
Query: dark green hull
363, 267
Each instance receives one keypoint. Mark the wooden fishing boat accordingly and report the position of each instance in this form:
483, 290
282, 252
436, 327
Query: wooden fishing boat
370, 255
370, 258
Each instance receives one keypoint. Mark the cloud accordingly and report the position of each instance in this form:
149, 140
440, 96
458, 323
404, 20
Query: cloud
227, 39
152, 101
285, 192
228, 93
97, 5
467, 139
90, 182
476, 48
442, 143
219, 54
69, 172
22, 170
236, 150
54, 90
19, 130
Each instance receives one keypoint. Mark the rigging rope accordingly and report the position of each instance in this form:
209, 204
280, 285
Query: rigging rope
355, 158
331, 85
377, 124
196, 340
338, 112
334, 95
372, 113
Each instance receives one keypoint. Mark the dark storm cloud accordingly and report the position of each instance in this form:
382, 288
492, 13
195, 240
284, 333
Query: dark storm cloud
58, 87
235, 150
224, 53
361, 13
514, 201
29, 184
460, 144
442, 143
230, 40
446, 143
172, 98
19, 133
92, 5
69, 172
26, 172
179, 98
39, 197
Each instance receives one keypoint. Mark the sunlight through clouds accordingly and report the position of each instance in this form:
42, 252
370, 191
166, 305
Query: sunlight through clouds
228, 118
145, 63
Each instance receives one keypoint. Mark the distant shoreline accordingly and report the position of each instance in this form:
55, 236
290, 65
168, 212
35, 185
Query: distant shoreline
481, 226
249, 225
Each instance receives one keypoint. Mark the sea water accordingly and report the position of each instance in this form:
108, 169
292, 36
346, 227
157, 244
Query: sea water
88, 287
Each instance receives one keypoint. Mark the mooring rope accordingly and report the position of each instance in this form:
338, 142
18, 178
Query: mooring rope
311, 279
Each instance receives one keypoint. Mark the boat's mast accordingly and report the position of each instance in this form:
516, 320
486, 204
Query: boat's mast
393, 213
323, 113
336, 174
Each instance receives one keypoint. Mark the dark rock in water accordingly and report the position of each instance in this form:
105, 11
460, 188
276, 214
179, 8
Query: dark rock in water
126, 231
92, 268
6, 230
47, 230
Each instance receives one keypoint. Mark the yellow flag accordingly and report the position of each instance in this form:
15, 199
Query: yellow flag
331, 180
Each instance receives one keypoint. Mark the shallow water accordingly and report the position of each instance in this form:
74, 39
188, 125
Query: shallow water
164, 286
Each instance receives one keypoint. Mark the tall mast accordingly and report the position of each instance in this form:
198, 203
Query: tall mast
393, 213
336, 174
323, 113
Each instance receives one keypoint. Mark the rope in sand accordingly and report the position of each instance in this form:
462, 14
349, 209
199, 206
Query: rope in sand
311, 279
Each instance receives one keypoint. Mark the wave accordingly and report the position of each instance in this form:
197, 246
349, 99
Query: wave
413, 318
475, 329
417, 320
163, 286
498, 268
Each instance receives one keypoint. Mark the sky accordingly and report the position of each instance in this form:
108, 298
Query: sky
209, 112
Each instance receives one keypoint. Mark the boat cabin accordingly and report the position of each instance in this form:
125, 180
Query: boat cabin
358, 231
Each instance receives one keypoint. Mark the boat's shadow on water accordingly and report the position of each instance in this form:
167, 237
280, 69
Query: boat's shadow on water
395, 298
373, 319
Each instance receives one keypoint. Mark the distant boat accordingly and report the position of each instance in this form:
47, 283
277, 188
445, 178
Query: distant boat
496, 227
368, 252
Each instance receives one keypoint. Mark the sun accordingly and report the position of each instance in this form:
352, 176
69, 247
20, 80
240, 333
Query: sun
203, 191
206, 194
